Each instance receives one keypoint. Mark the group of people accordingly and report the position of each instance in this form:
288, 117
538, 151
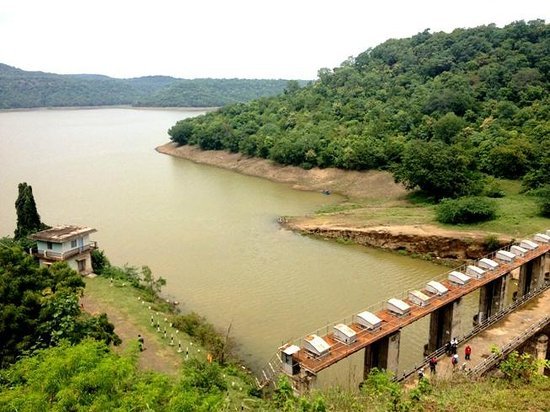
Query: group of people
451, 349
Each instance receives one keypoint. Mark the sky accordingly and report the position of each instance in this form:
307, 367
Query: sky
283, 39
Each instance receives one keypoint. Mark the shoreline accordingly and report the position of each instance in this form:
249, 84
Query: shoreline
113, 106
425, 240
350, 184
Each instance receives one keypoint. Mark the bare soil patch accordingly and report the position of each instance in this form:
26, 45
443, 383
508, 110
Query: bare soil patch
352, 184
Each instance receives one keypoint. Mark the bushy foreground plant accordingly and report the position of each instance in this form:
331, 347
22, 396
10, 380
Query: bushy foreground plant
521, 367
466, 210
141, 278
90, 377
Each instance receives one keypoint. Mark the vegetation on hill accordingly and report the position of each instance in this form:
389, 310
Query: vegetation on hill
39, 306
441, 110
211, 92
24, 89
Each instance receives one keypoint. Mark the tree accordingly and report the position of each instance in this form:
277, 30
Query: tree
99, 261
28, 219
437, 169
181, 132
481, 88
39, 306
447, 127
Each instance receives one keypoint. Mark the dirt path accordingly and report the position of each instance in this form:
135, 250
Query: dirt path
155, 357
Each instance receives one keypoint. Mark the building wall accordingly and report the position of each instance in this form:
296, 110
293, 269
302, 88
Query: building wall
56, 247
73, 264
65, 246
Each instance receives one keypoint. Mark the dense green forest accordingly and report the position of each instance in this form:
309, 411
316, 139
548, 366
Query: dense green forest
24, 89
441, 110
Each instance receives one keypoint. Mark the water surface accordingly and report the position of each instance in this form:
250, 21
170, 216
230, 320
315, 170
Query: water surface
212, 233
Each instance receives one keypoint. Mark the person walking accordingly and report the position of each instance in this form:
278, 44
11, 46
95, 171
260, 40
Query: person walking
433, 364
467, 352
454, 361
141, 343
454, 346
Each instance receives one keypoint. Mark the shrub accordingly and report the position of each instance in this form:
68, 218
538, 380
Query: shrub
198, 327
543, 200
520, 367
493, 189
99, 261
466, 210
491, 243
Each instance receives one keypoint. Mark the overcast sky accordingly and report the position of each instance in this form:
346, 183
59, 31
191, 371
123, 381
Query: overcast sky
226, 39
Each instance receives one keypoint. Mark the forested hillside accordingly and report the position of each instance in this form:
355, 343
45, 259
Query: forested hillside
23, 89
444, 106
212, 92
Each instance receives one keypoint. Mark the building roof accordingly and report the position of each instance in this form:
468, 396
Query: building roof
291, 350
345, 330
436, 287
369, 318
317, 343
60, 234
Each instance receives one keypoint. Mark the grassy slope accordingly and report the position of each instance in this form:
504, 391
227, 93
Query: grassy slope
517, 213
125, 299
457, 395
489, 395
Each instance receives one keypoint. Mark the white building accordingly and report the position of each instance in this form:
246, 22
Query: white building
70, 244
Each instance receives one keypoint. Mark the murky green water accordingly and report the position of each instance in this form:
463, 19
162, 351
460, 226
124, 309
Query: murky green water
211, 233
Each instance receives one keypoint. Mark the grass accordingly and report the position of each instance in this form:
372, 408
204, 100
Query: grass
517, 213
489, 395
457, 395
340, 207
130, 302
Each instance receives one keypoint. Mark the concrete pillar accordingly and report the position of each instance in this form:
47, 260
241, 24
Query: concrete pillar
541, 350
444, 325
383, 354
537, 280
503, 292
524, 282
492, 297
546, 267
533, 274
392, 356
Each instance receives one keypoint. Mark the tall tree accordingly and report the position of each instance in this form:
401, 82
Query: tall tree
28, 219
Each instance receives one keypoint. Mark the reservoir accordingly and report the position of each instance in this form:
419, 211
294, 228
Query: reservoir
211, 233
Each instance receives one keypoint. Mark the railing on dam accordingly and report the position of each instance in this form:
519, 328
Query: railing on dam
479, 328
505, 350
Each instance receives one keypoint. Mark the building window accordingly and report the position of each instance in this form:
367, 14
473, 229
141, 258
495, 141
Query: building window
73, 243
49, 245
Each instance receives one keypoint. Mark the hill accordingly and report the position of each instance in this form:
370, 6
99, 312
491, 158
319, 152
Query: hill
26, 89
447, 105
